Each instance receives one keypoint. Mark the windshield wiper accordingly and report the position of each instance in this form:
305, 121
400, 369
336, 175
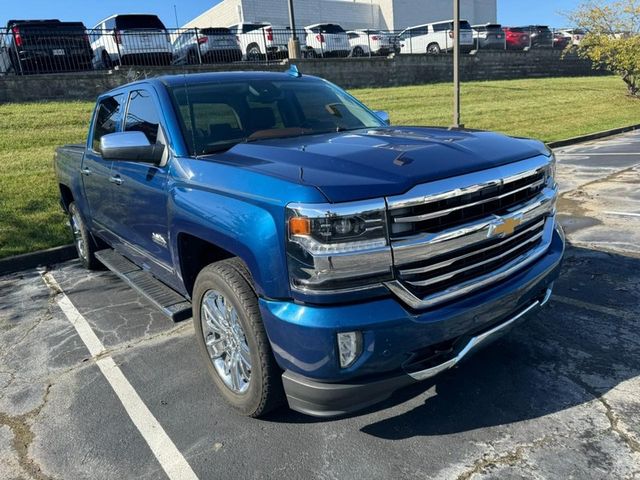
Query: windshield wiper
222, 147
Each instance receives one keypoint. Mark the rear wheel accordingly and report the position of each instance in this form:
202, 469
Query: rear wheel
357, 52
254, 54
433, 49
106, 60
232, 340
192, 58
85, 245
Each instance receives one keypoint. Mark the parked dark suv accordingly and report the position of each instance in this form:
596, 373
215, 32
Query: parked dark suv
541, 36
489, 36
45, 46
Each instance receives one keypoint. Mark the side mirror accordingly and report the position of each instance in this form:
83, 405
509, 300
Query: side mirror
130, 146
384, 116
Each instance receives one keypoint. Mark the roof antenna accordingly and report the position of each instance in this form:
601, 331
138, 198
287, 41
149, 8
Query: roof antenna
294, 72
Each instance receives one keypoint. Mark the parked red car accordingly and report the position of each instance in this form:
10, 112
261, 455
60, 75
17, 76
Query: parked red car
517, 38
561, 41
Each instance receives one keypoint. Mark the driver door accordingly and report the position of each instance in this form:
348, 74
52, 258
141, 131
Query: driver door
139, 191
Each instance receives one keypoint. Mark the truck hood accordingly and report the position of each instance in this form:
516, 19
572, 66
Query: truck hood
371, 163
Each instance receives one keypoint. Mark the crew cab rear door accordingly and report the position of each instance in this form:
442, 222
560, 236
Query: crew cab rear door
95, 170
139, 190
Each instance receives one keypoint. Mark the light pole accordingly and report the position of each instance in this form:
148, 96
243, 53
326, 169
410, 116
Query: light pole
294, 43
456, 65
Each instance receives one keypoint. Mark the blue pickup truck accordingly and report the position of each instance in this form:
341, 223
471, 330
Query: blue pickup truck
327, 258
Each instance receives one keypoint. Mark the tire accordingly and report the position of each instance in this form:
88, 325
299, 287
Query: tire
310, 53
85, 245
226, 286
107, 63
357, 52
254, 54
433, 49
192, 58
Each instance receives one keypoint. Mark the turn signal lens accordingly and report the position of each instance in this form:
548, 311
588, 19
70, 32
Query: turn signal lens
299, 226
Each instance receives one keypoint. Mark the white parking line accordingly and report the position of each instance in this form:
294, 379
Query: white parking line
624, 214
597, 154
170, 459
614, 312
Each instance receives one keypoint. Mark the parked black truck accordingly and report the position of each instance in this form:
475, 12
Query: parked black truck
45, 46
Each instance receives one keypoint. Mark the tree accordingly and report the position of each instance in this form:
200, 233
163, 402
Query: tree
612, 39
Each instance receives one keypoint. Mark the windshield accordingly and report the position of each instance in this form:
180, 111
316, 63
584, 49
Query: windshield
217, 116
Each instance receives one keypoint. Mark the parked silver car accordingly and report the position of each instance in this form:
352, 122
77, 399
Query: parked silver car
206, 45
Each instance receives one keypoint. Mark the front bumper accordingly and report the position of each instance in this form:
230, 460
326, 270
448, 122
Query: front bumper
303, 338
328, 400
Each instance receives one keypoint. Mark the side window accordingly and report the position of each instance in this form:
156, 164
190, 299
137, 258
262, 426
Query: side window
142, 115
108, 119
110, 24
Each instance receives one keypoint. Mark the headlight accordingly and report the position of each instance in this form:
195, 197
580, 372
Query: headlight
337, 248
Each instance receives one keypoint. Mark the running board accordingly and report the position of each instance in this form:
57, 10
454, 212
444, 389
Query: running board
167, 300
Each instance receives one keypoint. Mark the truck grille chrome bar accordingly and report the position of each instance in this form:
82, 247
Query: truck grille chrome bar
499, 226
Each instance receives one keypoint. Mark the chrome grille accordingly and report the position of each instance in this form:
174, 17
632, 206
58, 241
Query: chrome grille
458, 235
456, 208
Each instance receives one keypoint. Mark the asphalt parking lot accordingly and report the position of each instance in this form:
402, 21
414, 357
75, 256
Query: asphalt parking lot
96, 384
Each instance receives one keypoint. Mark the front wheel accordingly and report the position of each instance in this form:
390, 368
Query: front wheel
85, 245
232, 340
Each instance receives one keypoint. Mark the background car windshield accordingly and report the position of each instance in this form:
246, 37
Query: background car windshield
216, 116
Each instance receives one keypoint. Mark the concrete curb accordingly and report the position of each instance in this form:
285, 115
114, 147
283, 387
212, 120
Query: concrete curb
593, 136
37, 259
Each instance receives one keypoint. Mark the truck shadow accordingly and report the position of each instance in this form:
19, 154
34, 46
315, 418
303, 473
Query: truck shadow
586, 342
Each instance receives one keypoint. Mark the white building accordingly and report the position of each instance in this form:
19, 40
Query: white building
380, 14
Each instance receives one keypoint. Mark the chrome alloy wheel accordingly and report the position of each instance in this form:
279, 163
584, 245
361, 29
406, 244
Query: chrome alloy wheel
226, 341
76, 228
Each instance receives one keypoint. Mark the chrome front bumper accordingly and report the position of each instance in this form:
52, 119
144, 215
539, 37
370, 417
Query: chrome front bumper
320, 399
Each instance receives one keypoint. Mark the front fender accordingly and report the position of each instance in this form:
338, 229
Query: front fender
241, 212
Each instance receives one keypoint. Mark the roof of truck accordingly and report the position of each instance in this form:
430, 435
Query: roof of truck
210, 77
196, 78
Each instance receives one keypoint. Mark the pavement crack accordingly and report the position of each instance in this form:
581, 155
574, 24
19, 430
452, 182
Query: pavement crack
512, 458
23, 436
108, 352
611, 415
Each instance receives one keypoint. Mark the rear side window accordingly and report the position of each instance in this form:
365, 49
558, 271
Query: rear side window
142, 115
246, 28
331, 28
108, 119
442, 27
418, 31
130, 22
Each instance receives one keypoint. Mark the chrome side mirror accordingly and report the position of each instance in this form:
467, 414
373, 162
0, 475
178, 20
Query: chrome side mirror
384, 116
131, 147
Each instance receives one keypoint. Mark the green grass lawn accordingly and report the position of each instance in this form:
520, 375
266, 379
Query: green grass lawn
549, 109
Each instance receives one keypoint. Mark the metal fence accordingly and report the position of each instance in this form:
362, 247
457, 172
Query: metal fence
60, 51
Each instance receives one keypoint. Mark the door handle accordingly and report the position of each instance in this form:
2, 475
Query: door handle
117, 179
85, 171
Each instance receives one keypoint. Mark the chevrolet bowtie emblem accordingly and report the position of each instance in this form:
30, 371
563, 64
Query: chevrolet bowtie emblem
504, 227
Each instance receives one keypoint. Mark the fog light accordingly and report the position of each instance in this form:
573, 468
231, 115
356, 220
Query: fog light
349, 347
